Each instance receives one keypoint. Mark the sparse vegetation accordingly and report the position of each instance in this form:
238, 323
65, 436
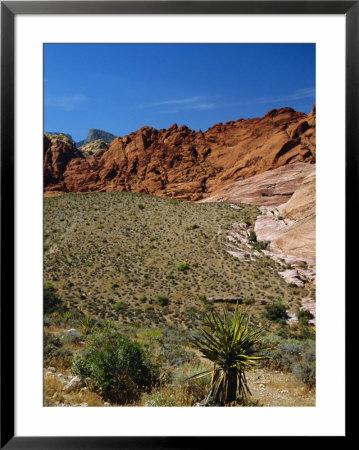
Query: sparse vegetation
150, 275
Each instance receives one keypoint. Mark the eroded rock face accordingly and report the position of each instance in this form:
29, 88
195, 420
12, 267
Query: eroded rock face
271, 188
59, 150
286, 197
93, 148
298, 238
184, 164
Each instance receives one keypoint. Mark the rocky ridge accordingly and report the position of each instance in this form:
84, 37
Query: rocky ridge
184, 164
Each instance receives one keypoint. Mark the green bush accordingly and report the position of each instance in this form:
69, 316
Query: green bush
182, 266
119, 306
148, 335
252, 236
161, 300
260, 245
291, 355
115, 365
52, 301
53, 349
304, 316
276, 312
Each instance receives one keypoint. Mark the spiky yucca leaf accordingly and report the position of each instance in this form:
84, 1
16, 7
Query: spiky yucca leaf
231, 344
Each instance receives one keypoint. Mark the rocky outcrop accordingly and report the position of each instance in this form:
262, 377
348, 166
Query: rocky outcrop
59, 150
181, 163
270, 188
93, 148
58, 133
291, 229
286, 197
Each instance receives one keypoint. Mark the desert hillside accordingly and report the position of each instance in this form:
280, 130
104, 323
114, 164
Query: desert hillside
126, 262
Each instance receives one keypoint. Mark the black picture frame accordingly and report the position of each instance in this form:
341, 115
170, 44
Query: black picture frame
9, 9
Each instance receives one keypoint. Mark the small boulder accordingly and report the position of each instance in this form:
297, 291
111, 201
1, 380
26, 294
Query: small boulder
71, 384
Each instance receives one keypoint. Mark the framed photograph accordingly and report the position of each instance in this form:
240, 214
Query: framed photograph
176, 179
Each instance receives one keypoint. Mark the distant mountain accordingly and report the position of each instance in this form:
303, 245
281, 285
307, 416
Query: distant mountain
57, 133
95, 135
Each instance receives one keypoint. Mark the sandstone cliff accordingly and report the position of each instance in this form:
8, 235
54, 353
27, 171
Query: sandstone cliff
181, 163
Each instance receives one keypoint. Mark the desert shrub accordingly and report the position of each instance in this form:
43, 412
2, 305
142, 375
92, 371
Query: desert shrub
119, 306
72, 337
158, 399
208, 307
305, 368
276, 312
52, 302
252, 236
53, 349
260, 245
175, 336
141, 206
291, 355
149, 334
304, 316
117, 366
202, 297
174, 355
86, 324
161, 300
182, 266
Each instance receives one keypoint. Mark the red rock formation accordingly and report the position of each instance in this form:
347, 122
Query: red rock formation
181, 163
58, 152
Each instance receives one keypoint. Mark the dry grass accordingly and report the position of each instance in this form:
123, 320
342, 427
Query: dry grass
54, 395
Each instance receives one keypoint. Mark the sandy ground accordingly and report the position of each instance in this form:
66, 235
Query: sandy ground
274, 388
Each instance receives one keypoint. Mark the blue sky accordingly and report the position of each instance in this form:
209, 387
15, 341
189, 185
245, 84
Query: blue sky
122, 87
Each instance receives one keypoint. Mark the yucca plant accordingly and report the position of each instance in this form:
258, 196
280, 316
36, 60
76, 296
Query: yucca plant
232, 345
86, 324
